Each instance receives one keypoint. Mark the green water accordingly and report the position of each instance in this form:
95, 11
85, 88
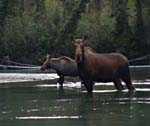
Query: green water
53, 106
46, 104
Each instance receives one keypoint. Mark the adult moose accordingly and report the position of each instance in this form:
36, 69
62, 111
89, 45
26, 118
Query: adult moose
63, 65
93, 67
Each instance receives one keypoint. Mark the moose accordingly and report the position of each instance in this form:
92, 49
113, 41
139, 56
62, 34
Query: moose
94, 67
63, 65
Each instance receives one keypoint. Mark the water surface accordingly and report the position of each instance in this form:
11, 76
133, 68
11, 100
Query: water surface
45, 103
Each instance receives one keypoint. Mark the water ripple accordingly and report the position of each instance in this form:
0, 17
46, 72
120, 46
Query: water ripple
48, 117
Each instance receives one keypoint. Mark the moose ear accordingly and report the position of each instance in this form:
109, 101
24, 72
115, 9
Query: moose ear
85, 37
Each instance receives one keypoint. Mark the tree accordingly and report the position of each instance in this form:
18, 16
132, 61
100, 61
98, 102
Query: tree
96, 4
120, 12
3, 12
40, 5
123, 34
70, 27
68, 6
140, 37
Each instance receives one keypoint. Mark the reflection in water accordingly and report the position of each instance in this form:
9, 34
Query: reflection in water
61, 106
48, 117
48, 104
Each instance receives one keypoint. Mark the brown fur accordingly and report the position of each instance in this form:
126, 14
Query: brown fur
93, 67
63, 65
64, 58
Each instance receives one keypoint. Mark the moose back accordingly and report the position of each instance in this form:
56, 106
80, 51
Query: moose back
63, 65
93, 67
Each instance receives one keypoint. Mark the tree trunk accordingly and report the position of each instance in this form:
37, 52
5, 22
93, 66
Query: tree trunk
27, 5
3, 12
139, 28
40, 5
119, 10
96, 4
69, 28
123, 36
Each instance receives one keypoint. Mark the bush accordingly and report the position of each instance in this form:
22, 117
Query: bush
100, 29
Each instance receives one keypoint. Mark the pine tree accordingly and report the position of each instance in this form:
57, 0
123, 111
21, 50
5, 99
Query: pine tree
69, 28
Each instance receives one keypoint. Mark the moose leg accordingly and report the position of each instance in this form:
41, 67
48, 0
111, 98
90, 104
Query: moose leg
118, 84
125, 76
61, 80
82, 82
128, 82
89, 86
82, 85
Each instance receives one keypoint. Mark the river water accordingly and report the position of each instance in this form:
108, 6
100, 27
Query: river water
38, 101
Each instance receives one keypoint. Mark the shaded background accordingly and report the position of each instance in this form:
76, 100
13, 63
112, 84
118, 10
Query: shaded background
29, 29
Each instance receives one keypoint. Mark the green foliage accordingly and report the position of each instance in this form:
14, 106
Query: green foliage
27, 35
100, 30
146, 20
68, 6
69, 27
3, 12
123, 36
27, 38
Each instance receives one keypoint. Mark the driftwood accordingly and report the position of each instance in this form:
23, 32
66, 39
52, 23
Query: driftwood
143, 60
6, 63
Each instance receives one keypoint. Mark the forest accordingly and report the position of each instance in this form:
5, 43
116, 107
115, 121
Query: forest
30, 29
